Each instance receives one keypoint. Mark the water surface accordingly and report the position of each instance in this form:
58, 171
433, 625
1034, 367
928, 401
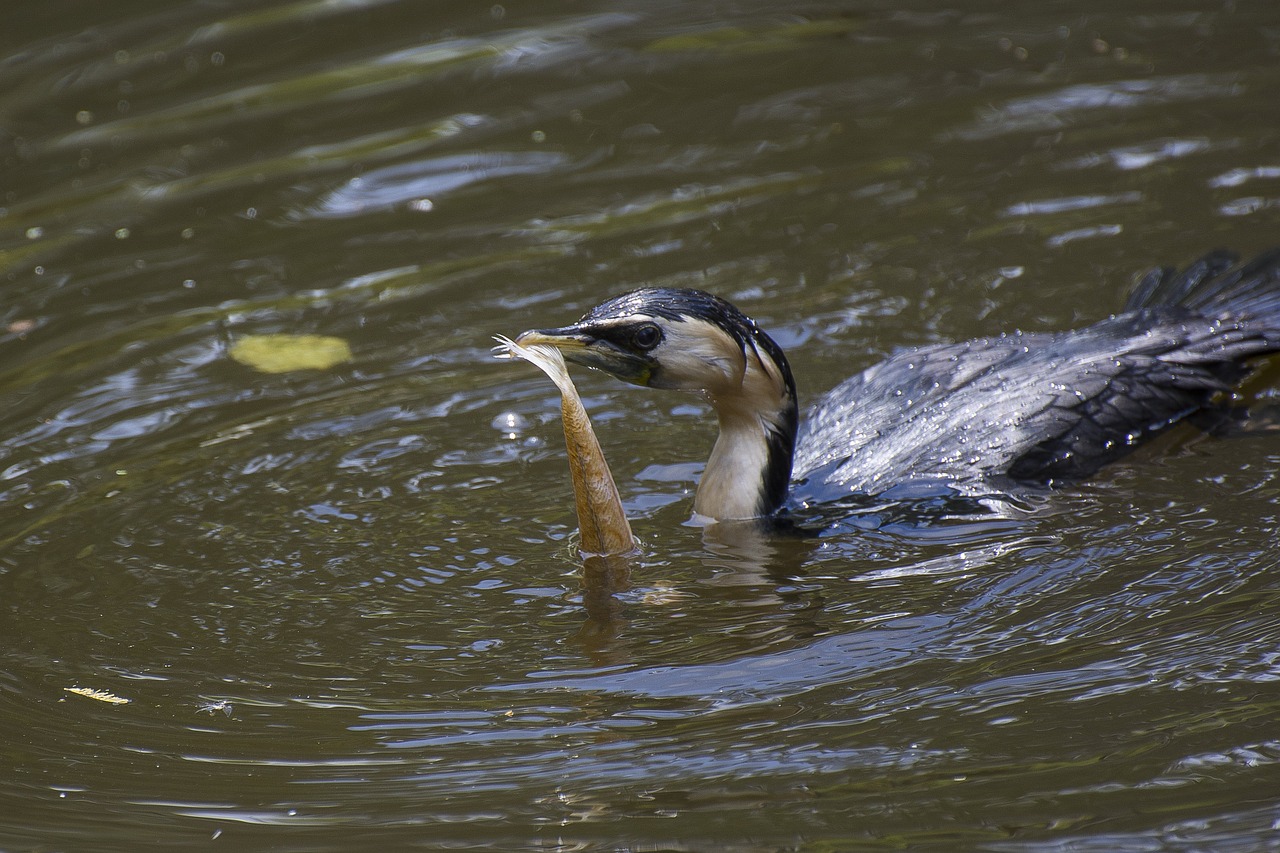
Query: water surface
344, 605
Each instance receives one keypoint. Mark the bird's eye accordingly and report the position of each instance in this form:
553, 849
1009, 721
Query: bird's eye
646, 337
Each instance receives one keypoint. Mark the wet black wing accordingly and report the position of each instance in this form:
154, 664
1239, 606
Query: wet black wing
1037, 407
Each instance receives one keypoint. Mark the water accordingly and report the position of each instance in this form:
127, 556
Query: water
343, 604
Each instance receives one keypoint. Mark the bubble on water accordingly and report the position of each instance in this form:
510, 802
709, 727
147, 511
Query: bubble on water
510, 423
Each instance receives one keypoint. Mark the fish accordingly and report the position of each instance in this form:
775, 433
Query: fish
603, 528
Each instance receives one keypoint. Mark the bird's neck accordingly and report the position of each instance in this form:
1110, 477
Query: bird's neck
750, 466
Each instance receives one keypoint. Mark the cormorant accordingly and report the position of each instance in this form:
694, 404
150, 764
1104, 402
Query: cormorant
981, 416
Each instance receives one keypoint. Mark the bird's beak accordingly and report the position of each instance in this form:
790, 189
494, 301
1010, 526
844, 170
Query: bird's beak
568, 339
578, 345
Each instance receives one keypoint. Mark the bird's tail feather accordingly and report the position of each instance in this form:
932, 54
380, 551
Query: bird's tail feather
1216, 286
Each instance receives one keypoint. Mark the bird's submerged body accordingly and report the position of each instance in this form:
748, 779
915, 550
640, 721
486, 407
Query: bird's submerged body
980, 416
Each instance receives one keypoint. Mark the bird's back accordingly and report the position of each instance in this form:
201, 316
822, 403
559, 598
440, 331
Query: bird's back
1046, 407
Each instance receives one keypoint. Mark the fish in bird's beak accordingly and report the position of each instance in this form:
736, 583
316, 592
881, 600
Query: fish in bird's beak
602, 523
581, 345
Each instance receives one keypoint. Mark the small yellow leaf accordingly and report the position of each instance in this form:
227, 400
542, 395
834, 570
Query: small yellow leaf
100, 695
281, 353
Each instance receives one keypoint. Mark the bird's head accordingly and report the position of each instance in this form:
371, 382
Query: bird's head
692, 341
668, 338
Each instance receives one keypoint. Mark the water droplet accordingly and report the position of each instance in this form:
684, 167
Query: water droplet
511, 423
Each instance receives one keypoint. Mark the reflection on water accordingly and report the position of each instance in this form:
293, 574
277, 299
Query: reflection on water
345, 604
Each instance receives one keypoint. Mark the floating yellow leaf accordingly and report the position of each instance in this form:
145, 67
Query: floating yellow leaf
100, 695
282, 353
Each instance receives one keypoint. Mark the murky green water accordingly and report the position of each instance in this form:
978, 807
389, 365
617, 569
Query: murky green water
343, 604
